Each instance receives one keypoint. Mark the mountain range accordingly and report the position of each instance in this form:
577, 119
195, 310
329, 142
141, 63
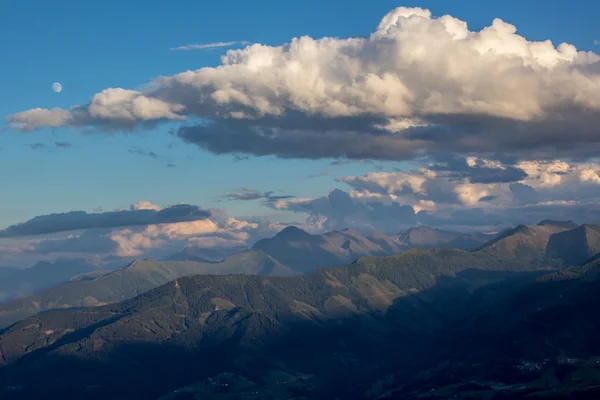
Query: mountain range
512, 319
404, 326
236, 318
291, 252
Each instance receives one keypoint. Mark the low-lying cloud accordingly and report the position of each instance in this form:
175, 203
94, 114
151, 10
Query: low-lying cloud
458, 197
76, 220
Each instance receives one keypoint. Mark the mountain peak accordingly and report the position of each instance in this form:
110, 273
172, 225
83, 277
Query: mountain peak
351, 232
418, 228
292, 233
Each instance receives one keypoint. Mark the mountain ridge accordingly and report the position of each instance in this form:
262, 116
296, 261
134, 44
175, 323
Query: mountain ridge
247, 313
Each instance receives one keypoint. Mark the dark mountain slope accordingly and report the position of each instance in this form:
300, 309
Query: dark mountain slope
525, 242
321, 325
561, 224
138, 277
426, 237
575, 246
290, 252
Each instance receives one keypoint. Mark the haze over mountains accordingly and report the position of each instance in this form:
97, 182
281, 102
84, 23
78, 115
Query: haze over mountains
294, 251
291, 252
23, 282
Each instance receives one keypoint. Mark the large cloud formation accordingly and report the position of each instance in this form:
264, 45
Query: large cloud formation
143, 213
117, 244
478, 196
417, 85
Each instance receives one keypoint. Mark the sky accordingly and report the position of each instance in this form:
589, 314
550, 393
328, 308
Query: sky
400, 111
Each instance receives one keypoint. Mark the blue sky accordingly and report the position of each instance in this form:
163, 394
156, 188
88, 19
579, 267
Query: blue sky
90, 46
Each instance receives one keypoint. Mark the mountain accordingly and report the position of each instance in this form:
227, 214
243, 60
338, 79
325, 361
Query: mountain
523, 241
561, 224
6, 271
424, 324
42, 275
305, 253
330, 334
390, 244
88, 276
426, 237
550, 240
128, 282
291, 252
206, 255
575, 246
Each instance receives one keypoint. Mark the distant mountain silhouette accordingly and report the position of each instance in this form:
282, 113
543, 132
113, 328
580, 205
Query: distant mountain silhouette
561, 224
428, 237
548, 240
303, 252
42, 275
206, 255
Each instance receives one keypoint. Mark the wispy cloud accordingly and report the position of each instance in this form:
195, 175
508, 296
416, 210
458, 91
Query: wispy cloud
319, 174
43, 146
37, 146
246, 193
141, 152
206, 46
76, 220
62, 144
596, 42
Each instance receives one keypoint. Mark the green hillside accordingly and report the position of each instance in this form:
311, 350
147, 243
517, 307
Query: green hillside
137, 278
243, 323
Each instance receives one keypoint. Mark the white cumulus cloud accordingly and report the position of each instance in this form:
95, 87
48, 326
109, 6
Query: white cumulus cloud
416, 85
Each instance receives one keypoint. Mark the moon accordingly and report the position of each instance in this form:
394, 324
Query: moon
57, 87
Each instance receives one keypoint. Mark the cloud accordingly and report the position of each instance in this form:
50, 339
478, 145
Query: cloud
238, 158
76, 220
446, 197
43, 146
112, 109
141, 152
165, 239
90, 241
145, 205
487, 198
246, 193
117, 245
319, 174
596, 42
524, 194
417, 86
479, 170
37, 146
339, 210
205, 46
